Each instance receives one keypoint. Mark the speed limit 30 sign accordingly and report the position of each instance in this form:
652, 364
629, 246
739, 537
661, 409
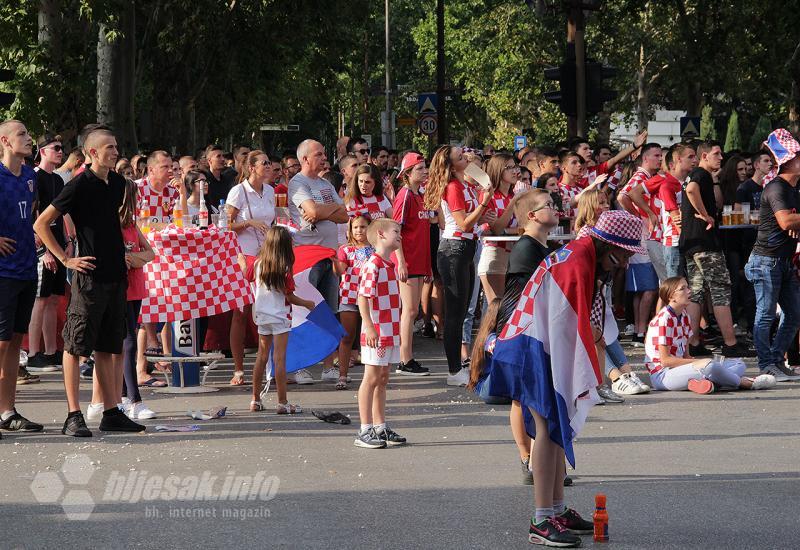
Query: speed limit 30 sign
428, 124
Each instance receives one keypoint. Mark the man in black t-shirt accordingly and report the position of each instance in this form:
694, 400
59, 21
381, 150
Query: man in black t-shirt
700, 245
221, 179
97, 308
52, 274
749, 191
771, 268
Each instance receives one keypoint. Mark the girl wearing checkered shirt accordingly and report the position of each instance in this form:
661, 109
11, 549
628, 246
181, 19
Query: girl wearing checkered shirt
365, 194
347, 264
667, 351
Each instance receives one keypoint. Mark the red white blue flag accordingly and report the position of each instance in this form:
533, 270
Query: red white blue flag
548, 344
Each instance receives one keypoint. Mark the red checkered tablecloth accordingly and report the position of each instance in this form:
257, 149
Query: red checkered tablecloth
194, 275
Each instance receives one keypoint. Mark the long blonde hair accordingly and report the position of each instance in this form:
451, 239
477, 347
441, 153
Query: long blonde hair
275, 258
588, 208
248, 164
439, 175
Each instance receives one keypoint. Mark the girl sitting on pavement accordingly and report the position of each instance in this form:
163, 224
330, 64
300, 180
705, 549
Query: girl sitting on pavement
667, 356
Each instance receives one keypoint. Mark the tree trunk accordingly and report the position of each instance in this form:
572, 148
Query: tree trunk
694, 99
49, 23
794, 95
105, 78
603, 127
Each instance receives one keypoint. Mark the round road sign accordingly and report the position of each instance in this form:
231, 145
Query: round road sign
428, 124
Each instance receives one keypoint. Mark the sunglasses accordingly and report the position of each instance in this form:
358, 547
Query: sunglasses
56, 148
361, 151
549, 205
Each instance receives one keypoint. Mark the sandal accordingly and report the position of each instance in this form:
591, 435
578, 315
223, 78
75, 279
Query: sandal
342, 383
332, 418
256, 406
288, 408
153, 383
238, 378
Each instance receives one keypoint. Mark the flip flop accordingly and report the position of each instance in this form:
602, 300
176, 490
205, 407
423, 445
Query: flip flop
153, 383
332, 418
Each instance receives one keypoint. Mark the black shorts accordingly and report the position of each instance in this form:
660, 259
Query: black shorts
50, 283
16, 305
96, 316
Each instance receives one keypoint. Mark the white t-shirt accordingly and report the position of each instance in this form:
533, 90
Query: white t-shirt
261, 207
324, 232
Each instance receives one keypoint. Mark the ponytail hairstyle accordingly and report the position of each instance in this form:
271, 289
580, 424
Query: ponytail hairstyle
488, 326
439, 175
276, 257
353, 193
127, 210
249, 164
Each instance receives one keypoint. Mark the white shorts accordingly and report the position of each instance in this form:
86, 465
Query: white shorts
275, 328
380, 357
493, 261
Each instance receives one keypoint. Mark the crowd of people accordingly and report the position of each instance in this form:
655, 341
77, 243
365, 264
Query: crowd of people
693, 251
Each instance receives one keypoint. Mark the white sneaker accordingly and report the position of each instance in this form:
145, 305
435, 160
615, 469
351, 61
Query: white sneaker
126, 403
763, 381
330, 375
303, 377
625, 385
139, 411
638, 381
458, 379
629, 330
94, 411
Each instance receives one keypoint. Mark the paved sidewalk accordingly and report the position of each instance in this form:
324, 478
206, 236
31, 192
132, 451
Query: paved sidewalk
680, 471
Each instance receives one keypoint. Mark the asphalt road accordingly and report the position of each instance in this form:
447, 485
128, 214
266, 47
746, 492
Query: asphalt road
680, 471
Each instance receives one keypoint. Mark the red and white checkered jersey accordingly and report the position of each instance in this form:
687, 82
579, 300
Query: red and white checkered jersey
666, 329
373, 206
378, 283
670, 194
354, 257
591, 174
568, 192
159, 205
498, 204
638, 179
458, 196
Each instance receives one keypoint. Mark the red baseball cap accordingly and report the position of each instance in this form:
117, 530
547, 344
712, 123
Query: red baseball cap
410, 161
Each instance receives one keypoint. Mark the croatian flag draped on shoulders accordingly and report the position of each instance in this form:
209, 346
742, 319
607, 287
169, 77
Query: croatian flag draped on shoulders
546, 350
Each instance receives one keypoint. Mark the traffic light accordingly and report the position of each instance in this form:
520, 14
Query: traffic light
6, 99
596, 93
566, 96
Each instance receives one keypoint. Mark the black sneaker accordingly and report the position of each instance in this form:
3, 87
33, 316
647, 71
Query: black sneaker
24, 377
75, 426
637, 340
549, 532
391, 437
412, 368
42, 363
567, 481
700, 351
465, 363
114, 420
527, 475
737, 350
608, 395
574, 523
369, 440
18, 423
427, 331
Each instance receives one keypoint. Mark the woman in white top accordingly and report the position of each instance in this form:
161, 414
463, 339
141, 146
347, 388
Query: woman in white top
195, 183
251, 212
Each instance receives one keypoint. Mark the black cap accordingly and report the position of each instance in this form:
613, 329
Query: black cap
47, 139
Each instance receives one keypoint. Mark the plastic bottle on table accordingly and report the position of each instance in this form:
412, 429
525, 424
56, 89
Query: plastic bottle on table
600, 518
202, 215
223, 218
144, 216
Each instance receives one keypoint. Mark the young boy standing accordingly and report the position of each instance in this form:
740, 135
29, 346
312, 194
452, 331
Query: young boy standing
379, 305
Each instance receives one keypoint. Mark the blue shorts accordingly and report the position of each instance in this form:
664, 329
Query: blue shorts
641, 278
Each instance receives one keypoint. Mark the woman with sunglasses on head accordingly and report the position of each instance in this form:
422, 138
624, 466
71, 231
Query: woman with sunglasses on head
251, 211
196, 185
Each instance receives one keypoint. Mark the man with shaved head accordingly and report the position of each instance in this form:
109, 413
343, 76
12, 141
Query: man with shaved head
156, 193
18, 274
97, 308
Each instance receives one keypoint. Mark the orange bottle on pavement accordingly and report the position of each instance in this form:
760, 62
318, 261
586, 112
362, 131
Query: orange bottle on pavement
600, 518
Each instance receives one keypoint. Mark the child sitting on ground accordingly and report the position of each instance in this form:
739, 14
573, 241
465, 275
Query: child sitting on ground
667, 351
